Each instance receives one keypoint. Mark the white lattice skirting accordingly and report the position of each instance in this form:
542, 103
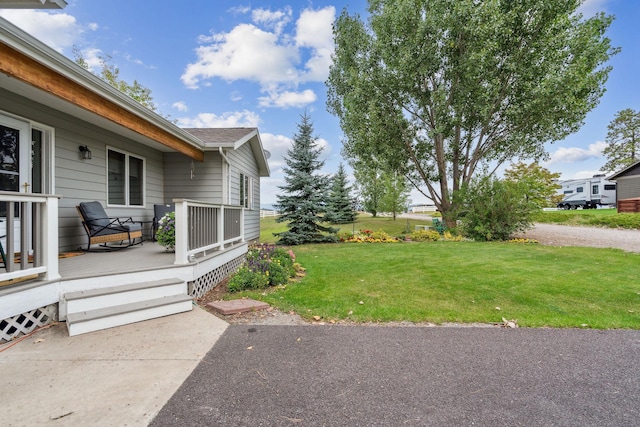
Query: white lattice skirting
22, 324
205, 283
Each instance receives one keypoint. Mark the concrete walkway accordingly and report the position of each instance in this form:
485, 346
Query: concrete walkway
264, 375
116, 377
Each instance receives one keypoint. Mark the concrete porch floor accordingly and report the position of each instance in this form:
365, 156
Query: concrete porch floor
149, 255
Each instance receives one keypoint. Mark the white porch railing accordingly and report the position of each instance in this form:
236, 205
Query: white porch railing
203, 227
29, 236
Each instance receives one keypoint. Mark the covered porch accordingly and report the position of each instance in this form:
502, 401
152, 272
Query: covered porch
210, 245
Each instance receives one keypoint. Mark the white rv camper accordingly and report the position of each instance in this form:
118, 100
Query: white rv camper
588, 193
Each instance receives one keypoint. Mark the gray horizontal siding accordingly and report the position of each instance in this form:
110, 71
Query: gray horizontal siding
243, 161
205, 184
628, 187
78, 180
168, 175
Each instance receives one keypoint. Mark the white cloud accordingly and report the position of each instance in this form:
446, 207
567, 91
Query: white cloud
269, 188
180, 106
240, 10
230, 119
585, 174
272, 20
288, 99
58, 30
265, 53
314, 30
277, 146
246, 52
92, 57
576, 154
590, 7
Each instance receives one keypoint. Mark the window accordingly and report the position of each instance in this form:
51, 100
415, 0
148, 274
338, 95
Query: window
579, 190
246, 195
568, 192
609, 187
126, 179
595, 189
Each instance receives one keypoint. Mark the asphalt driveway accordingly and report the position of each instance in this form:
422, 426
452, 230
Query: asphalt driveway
264, 375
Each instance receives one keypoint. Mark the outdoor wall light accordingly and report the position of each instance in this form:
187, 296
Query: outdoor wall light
86, 153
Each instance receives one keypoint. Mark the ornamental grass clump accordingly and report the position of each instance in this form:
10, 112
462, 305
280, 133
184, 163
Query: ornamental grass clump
166, 234
265, 265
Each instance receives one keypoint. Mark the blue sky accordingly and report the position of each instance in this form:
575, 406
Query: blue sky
262, 63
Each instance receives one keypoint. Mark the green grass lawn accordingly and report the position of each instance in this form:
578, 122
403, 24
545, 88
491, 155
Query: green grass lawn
593, 217
465, 282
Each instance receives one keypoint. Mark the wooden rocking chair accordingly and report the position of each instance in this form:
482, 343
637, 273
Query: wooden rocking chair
102, 229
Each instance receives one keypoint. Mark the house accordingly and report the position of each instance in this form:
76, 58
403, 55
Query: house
67, 137
628, 185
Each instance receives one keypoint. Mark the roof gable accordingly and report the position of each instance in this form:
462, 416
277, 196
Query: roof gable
233, 138
631, 170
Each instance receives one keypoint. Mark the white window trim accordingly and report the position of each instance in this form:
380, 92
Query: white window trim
127, 154
248, 191
48, 160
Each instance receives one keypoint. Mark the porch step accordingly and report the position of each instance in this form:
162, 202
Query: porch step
96, 309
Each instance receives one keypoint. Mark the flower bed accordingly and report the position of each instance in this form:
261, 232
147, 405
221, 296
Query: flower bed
265, 265
368, 236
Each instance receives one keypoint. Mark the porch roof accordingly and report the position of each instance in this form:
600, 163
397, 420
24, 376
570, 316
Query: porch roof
38, 72
33, 4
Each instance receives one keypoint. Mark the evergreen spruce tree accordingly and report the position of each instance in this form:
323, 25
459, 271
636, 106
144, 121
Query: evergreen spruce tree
340, 204
303, 201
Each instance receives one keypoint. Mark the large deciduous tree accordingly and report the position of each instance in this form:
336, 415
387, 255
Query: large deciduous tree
539, 184
369, 185
302, 203
396, 193
442, 89
623, 140
110, 73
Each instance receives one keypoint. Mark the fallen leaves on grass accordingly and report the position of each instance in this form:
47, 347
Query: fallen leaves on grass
509, 323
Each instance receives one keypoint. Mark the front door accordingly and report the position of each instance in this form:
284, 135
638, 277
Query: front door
15, 159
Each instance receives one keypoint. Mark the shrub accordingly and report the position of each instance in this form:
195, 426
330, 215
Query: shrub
245, 279
265, 265
425, 236
494, 209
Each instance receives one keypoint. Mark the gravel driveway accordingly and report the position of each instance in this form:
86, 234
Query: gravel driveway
564, 235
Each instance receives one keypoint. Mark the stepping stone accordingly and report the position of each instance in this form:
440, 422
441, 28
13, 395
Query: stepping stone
237, 306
